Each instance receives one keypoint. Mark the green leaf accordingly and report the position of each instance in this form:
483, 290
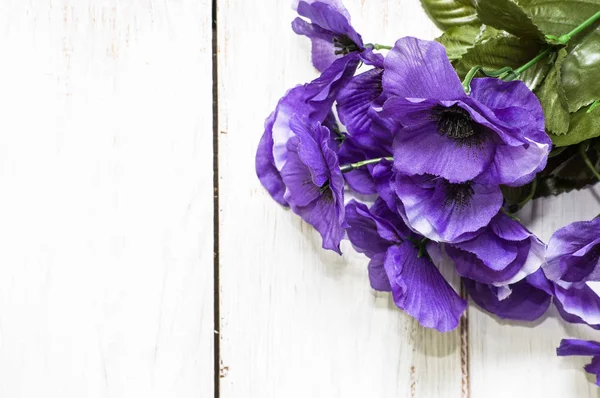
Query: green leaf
580, 75
582, 126
488, 33
459, 39
580, 72
567, 171
509, 16
535, 75
448, 13
555, 186
497, 52
515, 195
555, 113
554, 17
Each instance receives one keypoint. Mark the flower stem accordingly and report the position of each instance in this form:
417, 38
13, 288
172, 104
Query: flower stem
507, 70
583, 147
564, 39
353, 166
522, 203
529, 64
377, 46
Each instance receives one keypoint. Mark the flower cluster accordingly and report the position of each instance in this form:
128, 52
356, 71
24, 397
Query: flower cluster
431, 154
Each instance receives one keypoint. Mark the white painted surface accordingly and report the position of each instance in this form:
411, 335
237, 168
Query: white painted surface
515, 359
106, 234
106, 283
300, 322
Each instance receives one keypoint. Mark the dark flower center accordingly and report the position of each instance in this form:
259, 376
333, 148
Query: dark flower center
458, 194
344, 45
326, 192
456, 123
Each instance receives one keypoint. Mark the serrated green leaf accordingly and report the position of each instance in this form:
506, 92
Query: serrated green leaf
489, 32
554, 17
448, 13
555, 114
573, 169
459, 39
582, 126
498, 52
566, 172
556, 186
509, 16
580, 79
580, 72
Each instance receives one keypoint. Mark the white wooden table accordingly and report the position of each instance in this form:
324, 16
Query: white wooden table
107, 227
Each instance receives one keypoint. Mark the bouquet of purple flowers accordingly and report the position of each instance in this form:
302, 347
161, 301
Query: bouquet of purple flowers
445, 141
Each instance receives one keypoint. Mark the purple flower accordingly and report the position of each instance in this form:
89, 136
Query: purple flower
443, 211
504, 253
573, 264
312, 101
493, 136
396, 265
329, 30
314, 182
528, 299
369, 135
583, 348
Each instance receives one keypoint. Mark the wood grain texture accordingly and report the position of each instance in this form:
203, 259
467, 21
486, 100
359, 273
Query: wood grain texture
106, 205
512, 360
298, 321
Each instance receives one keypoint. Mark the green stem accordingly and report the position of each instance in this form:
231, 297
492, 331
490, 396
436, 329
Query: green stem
529, 64
470, 75
353, 166
522, 203
377, 46
507, 70
593, 106
564, 39
583, 147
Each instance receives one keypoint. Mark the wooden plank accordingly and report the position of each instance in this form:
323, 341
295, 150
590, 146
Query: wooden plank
512, 360
297, 321
106, 239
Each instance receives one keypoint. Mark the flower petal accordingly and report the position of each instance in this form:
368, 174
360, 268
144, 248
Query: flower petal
420, 69
567, 241
497, 94
525, 303
355, 100
266, 171
328, 23
326, 217
428, 212
419, 289
495, 253
337, 5
508, 229
309, 150
422, 150
322, 48
377, 276
578, 347
580, 301
363, 230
